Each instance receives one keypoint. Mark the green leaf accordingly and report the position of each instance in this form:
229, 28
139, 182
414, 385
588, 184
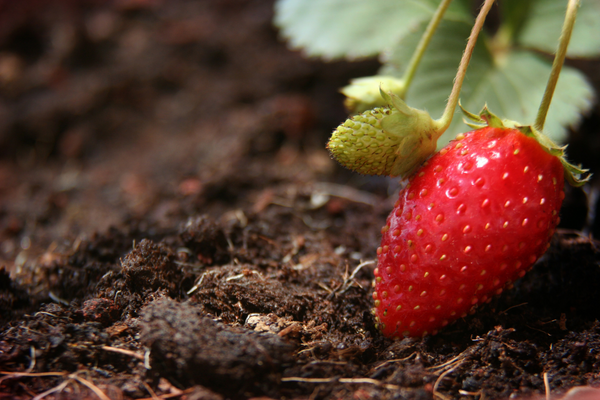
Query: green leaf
542, 29
354, 28
513, 13
511, 84
365, 93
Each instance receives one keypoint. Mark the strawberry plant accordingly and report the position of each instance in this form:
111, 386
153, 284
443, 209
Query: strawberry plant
475, 216
473, 219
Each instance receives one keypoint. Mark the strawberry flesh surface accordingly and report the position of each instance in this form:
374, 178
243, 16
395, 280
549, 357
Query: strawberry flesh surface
471, 221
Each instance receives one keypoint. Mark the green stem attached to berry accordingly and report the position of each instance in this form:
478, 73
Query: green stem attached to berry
413, 64
559, 60
444, 122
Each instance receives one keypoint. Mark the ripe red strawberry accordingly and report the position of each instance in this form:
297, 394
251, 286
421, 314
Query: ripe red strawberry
473, 219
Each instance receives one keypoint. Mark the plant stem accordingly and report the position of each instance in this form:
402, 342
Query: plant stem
422, 46
444, 122
559, 60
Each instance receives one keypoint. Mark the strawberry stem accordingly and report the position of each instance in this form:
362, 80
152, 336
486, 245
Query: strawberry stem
422, 46
444, 122
559, 60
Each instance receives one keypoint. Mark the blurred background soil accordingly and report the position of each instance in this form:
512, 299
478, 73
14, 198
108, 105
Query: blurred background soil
171, 225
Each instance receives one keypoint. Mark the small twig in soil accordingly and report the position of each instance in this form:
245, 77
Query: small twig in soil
510, 308
539, 330
268, 240
395, 360
197, 285
26, 389
123, 351
55, 389
349, 280
298, 243
340, 380
10, 374
170, 395
547, 385
57, 299
370, 381
293, 327
312, 224
58, 388
310, 349
357, 269
149, 390
32, 363
436, 393
459, 358
230, 246
147, 359
48, 314
346, 192
573, 236
328, 362
467, 393
91, 386
240, 276
325, 287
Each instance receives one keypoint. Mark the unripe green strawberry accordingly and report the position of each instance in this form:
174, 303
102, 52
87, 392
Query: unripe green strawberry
393, 140
472, 220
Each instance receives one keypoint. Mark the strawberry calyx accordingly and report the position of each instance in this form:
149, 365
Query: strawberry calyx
391, 140
575, 175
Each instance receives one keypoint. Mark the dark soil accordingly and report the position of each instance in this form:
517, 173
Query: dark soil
171, 225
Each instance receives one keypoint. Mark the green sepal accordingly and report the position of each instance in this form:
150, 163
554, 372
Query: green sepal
490, 118
545, 141
473, 125
477, 123
477, 120
573, 174
363, 94
392, 140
